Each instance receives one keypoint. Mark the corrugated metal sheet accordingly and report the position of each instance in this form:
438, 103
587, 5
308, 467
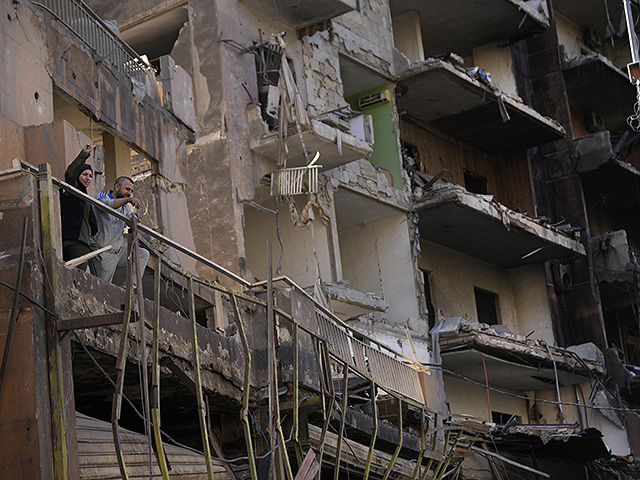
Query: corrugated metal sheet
97, 456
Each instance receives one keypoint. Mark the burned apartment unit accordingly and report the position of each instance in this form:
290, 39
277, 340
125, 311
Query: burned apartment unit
388, 238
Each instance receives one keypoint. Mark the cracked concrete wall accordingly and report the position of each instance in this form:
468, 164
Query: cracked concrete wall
26, 90
367, 35
322, 73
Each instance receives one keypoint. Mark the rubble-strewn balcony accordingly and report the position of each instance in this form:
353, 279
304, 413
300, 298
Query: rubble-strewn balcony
615, 96
335, 146
479, 226
301, 13
459, 25
476, 113
514, 362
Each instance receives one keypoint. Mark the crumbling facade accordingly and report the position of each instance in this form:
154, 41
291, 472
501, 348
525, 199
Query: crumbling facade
388, 239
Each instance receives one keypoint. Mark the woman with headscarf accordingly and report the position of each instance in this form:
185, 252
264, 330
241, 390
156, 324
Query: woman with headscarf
78, 219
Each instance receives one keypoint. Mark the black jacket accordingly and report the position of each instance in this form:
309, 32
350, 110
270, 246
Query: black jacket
72, 207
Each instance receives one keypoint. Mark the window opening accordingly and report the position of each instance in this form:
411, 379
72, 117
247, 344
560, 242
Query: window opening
475, 183
486, 306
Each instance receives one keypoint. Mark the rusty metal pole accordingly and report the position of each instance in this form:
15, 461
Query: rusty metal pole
271, 367
146, 410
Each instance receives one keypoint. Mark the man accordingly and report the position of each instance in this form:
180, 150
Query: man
111, 230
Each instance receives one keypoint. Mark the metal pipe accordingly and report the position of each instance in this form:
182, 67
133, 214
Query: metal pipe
245, 392
198, 382
271, 366
155, 372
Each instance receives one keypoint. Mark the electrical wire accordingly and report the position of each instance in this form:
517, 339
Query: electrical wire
522, 397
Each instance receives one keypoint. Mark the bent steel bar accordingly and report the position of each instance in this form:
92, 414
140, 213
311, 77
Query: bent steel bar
146, 410
155, 372
121, 360
343, 414
245, 392
374, 435
202, 414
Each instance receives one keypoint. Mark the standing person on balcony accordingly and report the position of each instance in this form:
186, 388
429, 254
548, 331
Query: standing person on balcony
111, 230
78, 218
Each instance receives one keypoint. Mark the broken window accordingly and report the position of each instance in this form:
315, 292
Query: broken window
475, 183
487, 306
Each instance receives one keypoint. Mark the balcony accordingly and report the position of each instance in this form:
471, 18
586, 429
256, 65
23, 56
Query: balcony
459, 25
336, 147
591, 13
591, 73
452, 101
301, 13
513, 362
486, 230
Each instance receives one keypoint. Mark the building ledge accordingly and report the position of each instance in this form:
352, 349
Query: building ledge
613, 258
349, 303
513, 361
487, 230
336, 148
452, 101
591, 73
301, 13
442, 21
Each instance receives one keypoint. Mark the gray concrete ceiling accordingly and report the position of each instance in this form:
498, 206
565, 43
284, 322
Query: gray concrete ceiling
300, 13
156, 36
446, 29
354, 210
448, 99
356, 78
591, 13
615, 95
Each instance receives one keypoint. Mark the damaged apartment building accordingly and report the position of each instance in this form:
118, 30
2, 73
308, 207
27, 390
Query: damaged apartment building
388, 239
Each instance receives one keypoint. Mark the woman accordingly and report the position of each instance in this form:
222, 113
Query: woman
78, 219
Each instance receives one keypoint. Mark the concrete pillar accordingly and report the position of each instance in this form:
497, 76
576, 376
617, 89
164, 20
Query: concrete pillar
117, 159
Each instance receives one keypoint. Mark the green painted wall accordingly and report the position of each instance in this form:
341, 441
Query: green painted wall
385, 149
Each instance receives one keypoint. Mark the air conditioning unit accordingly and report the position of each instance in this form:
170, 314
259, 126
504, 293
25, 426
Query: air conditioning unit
595, 123
562, 277
374, 99
362, 127
591, 38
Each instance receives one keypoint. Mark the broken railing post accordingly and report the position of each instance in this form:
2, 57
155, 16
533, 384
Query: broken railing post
64, 447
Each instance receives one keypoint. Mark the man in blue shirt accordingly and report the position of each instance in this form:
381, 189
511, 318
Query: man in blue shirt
111, 230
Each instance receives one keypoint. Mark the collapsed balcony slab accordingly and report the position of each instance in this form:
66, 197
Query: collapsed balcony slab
452, 101
441, 22
485, 229
593, 72
336, 148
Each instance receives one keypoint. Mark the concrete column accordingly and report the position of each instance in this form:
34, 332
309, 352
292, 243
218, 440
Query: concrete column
117, 159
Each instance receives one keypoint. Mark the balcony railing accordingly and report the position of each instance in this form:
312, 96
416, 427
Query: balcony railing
93, 31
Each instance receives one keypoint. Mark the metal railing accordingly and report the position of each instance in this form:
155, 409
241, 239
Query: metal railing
355, 353
91, 29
